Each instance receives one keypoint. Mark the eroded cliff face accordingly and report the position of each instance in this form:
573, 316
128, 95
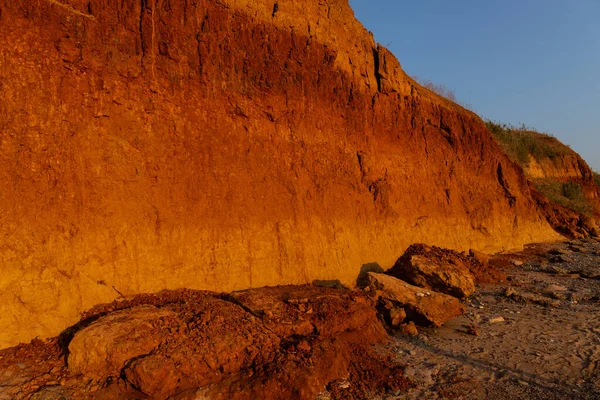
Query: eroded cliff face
564, 166
221, 145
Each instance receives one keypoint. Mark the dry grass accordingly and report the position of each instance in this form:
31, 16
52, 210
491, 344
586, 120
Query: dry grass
521, 143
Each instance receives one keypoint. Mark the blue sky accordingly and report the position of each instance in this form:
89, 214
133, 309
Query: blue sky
535, 62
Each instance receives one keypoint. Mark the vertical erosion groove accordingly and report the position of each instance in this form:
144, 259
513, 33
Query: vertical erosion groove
377, 72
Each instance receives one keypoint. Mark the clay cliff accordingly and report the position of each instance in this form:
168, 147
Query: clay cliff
563, 185
572, 196
221, 145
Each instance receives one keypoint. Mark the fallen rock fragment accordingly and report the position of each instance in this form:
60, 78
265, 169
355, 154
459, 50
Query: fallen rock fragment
244, 345
531, 298
480, 257
101, 349
561, 259
437, 269
496, 320
434, 309
559, 251
409, 329
396, 317
553, 269
471, 330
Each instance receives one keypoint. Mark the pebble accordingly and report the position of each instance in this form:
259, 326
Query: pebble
344, 385
497, 320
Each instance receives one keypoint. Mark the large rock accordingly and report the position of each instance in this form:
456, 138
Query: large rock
238, 346
437, 269
421, 306
102, 349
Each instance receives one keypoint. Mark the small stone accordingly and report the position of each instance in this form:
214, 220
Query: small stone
553, 269
570, 276
344, 385
472, 330
397, 316
484, 259
497, 320
517, 263
409, 329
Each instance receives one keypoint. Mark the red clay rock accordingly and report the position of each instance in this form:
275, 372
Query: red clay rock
437, 269
278, 343
101, 350
409, 329
290, 310
421, 306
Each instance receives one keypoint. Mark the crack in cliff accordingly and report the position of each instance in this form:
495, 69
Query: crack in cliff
377, 73
71, 9
141, 28
446, 131
144, 6
504, 183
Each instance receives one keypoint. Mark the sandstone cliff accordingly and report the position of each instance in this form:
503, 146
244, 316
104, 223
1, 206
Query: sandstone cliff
224, 144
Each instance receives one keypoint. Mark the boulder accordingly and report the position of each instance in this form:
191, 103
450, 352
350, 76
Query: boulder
101, 349
437, 269
422, 307
228, 346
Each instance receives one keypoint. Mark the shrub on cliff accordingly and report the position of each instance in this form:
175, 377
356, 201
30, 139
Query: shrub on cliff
519, 143
569, 194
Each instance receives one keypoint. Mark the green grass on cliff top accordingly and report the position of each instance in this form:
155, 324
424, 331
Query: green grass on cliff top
520, 143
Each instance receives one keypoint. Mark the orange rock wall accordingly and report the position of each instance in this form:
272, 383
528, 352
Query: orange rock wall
220, 145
